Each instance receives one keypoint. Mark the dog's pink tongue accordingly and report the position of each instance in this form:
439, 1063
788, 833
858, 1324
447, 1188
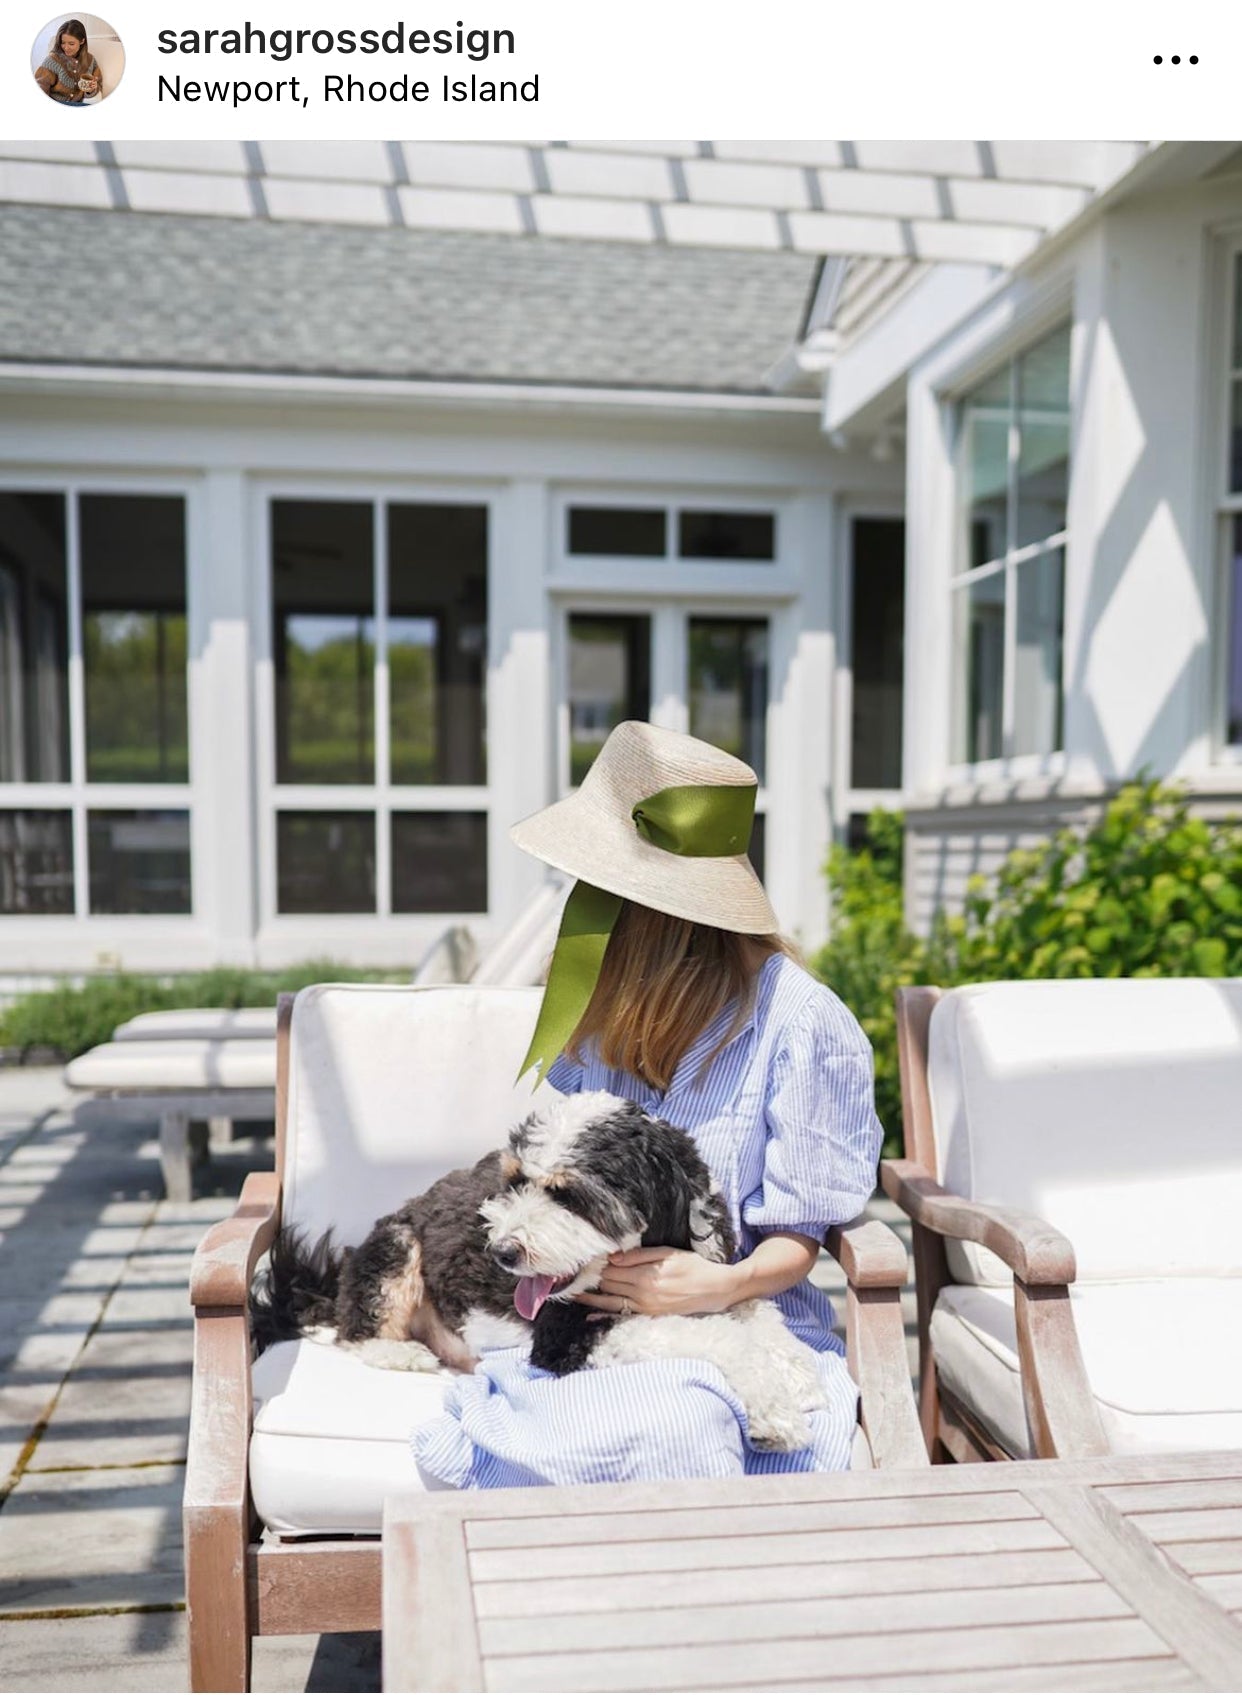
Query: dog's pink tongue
531, 1293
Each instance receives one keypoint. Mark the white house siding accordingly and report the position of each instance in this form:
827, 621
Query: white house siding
230, 444
1143, 614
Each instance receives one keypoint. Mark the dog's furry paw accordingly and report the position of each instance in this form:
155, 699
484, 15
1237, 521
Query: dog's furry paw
388, 1355
778, 1433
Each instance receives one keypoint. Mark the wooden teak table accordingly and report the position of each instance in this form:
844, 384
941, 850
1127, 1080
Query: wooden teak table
1120, 1574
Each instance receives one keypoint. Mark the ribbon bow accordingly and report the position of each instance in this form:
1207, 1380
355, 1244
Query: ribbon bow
695, 820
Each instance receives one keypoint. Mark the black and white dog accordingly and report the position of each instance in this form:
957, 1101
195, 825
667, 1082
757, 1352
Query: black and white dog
492, 1255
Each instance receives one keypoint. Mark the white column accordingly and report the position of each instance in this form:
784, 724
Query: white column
223, 855
799, 729
519, 705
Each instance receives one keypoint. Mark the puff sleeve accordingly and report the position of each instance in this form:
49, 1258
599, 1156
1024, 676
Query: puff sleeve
823, 1138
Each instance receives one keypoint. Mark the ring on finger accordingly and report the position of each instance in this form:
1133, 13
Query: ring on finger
627, 1307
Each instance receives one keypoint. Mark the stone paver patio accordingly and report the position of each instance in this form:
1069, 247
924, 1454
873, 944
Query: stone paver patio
95, 1339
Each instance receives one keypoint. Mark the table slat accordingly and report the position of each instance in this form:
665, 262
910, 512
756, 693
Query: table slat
929, 1540
430, 1641
767, 1621
756, 1664
1133, 1498
899, 1576
1200, 1559
747, 1521
1119, 1675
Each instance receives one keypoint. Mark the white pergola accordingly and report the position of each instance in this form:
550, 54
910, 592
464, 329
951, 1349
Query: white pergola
913, 202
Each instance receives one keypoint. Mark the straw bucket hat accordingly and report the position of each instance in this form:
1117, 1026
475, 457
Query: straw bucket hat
664, 820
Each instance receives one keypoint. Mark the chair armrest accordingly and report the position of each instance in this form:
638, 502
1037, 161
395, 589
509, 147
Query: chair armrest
227, 1255
873, 1259
1032, 1249
870, 1254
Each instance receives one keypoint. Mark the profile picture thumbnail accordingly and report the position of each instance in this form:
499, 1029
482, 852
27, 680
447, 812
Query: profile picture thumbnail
78, 59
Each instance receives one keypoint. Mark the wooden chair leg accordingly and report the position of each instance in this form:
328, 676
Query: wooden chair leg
216, 1514
219, 1134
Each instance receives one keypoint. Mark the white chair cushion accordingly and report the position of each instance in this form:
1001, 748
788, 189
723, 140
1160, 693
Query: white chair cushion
332, 1438
237, 1063
390, 1086
1112, 1108
193, 1023
1162, 1358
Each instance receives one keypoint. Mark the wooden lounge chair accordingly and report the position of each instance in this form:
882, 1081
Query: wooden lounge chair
1074, 1177
380, 1090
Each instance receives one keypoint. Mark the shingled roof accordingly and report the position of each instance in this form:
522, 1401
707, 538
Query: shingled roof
230, 294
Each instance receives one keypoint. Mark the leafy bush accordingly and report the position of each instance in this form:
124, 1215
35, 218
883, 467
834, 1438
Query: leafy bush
871, 953
69, 1020
1148, 890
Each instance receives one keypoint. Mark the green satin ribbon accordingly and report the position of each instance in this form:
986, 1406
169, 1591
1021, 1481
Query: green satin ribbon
696, 820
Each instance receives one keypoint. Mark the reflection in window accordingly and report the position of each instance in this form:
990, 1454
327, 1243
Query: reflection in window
437, 643
1235, 364
325, 862
1043, 439
618, 531
439, 862
878, 634
609, 681
36, 863
726, 535
34, 639
1037, 654
1013, 487
139, 862
133, 638
1234, 658
729, 686
758, 844
323, 642
979, 667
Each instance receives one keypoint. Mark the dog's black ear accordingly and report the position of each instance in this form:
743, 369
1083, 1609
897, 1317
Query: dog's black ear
564, 1335
679, 1179
711, 1229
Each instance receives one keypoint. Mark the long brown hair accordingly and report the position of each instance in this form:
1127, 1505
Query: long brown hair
75, 28
662, 982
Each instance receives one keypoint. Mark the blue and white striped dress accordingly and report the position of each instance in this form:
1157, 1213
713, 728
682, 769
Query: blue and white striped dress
785, 1119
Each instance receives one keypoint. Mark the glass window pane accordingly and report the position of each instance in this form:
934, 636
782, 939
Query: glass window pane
133, 638
618, 531
34, 639
983, 473
726, 535
1235, 439
323, 643
139, 861
437, 643
1234, 683
1037, 654
609, 681
729, 686
978, 668
325, 862
1237, 313
439, 862
36, 863
1044, 438
878, 637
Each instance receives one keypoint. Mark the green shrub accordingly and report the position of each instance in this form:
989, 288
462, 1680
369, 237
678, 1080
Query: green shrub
871, 953
70, 1020
1145, 891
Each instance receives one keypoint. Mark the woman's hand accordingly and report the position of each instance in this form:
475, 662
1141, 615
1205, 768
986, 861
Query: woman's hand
657, 1281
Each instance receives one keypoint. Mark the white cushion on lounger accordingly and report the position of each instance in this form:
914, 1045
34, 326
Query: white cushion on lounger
1161, 1357
1112, 1108
169, 1066
332, 1437
199, 1023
